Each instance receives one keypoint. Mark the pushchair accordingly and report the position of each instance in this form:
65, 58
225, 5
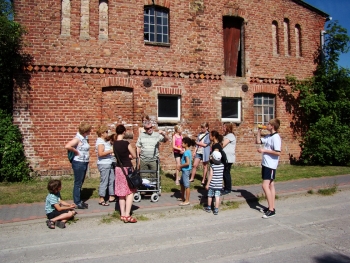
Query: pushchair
150, 185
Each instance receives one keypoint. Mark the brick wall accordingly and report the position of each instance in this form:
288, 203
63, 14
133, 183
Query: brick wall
81, 76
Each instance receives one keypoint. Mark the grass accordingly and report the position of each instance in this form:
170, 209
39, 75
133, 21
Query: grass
36, 190
328, 191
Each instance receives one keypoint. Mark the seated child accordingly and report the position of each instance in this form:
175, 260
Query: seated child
214, 184
57, 210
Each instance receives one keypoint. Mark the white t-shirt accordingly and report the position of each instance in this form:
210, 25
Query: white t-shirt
271, 142
108, 159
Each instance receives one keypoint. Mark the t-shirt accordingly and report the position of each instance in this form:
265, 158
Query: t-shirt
271, 142
121, 149
51, 200
216, 180
187, 154
107, 159
230, 148
149, 144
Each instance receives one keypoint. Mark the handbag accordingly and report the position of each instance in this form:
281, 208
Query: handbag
133, 177
70, 156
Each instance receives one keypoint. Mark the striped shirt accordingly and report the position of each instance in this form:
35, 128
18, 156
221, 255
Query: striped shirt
216, 180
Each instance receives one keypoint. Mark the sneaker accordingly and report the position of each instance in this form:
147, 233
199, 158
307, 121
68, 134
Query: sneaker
216, 211
269, 214
81, 206
264, 210
226, 192
207, 209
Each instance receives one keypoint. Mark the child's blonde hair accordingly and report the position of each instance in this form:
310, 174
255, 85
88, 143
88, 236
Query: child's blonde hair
275, 123
177, 128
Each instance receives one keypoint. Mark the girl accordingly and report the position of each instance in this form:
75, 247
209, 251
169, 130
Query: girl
185, 167
229, 145
217, 139
177, 149
202, 151
57, 210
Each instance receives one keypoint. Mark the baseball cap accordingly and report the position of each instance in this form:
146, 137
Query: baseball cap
216, 157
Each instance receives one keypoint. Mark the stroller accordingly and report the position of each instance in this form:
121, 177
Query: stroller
150, 185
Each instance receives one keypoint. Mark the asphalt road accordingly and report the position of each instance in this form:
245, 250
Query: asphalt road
307, 228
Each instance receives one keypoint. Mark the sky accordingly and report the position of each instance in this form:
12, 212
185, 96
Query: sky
338, 10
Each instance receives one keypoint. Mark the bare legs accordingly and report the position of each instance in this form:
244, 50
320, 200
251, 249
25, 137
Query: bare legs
178, 163
125, 203
185, 194
194, 170
270, 193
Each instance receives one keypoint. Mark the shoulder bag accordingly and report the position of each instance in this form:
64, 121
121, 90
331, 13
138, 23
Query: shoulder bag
133, 177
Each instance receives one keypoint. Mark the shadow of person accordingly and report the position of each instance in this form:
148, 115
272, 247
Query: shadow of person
86, 193
252, 200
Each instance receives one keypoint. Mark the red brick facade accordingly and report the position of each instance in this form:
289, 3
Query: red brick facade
83, 76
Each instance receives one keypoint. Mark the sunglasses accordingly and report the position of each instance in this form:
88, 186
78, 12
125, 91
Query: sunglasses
146, 129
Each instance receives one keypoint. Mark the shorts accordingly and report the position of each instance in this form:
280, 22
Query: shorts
177, 155
56, 213
268, 173
213, 192
199, 156
185, 178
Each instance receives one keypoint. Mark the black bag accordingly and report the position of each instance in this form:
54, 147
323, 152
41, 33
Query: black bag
133, 177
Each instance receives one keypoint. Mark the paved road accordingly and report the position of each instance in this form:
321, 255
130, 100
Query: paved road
307, 228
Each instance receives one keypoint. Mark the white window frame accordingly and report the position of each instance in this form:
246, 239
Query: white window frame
265, 115
171, 119
239, 110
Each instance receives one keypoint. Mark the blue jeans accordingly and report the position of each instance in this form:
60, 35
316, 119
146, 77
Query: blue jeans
79, 169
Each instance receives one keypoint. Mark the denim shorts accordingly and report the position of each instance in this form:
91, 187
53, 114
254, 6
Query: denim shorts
199, 156
185, 178
214, 192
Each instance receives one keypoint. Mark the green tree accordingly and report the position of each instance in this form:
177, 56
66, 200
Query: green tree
322, 107
13, 164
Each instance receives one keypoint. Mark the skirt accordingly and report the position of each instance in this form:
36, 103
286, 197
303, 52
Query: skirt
121, 185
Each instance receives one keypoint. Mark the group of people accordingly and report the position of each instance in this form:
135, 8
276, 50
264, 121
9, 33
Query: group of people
215, 151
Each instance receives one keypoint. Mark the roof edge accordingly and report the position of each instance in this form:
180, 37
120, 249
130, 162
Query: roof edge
312, 8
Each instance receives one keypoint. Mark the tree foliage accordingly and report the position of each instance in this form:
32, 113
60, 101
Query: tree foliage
13, 164
322, 107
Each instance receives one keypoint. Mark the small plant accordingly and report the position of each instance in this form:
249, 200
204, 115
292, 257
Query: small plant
197, 207
72, 221
311, 192
328, 191
229, 205
142, 218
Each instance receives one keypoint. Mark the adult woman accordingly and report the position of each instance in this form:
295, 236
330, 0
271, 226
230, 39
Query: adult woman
202, 152
229, 147
80, 146
105, 157
123, 150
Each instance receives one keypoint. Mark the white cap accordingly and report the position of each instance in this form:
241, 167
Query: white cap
216, 157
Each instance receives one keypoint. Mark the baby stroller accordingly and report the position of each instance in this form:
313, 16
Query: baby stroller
150, 185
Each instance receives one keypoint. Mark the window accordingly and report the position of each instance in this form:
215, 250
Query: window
264, 108
169, 108
156, 24
65, 18
103, 19
231, 109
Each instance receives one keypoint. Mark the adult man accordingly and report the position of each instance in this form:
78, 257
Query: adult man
148, 146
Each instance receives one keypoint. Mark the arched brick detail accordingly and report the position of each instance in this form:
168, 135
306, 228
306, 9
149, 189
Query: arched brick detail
164, 3
273, 89
174, 91
118, 81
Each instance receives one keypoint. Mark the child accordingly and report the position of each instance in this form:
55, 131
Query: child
271, 153
177, 149
214, 184
202, 152
185, 167
57, 210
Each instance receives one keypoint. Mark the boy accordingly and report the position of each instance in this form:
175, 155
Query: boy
214, 184
271, 153
57, 210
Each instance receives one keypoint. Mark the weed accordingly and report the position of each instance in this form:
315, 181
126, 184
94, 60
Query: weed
311, 192
229, 205
197, 207
142, 218
328, 191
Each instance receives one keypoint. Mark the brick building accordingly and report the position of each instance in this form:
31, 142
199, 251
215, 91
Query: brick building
181, 62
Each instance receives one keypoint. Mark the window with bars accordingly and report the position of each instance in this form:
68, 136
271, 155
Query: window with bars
156, 24
264, 108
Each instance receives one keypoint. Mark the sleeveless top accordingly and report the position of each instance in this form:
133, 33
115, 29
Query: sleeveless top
178, 143
83, 149
121, 149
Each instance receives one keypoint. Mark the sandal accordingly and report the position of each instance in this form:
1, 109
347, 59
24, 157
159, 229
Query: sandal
129, 219
113, 200
60, 224
50, 224
184, 203
179, 199
122, 218
103, 203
